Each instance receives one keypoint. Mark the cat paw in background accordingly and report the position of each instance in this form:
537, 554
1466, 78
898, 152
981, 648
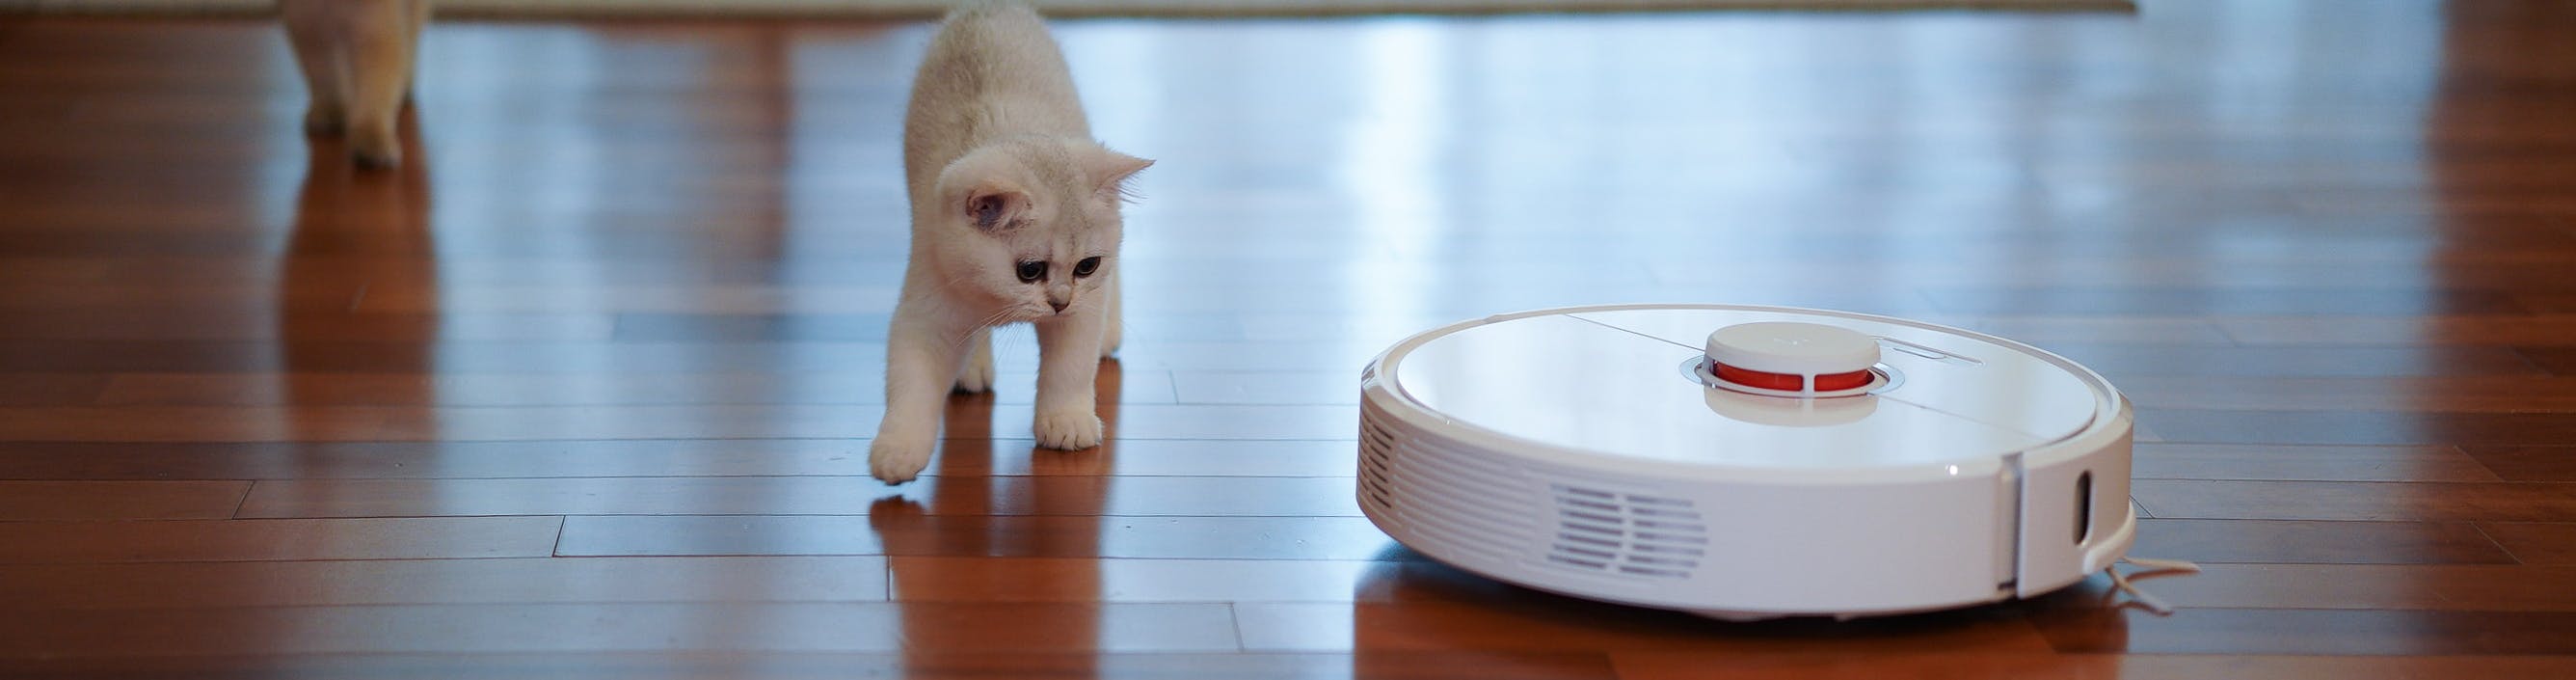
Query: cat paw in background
356, 56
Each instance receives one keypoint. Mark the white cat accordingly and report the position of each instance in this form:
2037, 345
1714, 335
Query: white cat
1015, 218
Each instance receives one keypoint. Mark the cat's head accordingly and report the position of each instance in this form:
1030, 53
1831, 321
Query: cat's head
1030, 227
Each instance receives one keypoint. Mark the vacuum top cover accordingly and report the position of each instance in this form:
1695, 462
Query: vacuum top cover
1787, 389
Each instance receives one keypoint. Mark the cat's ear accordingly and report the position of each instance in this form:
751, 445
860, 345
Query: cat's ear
993, 205
978, 188
1110, 171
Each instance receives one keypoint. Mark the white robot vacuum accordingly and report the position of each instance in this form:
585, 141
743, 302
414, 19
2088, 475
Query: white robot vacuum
1747, 462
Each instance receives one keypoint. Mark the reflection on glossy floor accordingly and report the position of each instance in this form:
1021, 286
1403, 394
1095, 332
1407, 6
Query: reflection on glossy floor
582, 390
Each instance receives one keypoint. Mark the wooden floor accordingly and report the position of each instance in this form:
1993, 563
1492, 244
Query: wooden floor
583, 391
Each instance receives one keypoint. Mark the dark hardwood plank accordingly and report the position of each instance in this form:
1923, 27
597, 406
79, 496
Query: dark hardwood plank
2095, 329
2314, 542
2311, 463
2308, 631
48, 389
811, 495
32, 285
1678, 665
191, 423
738, 327
217, 324
288, 539
899, 529
533, 357
22, 500
1569, 625
659, 458
2556, 360
625, 288
2363, 501
1993, 666
2220, 303
727, 421
2122, 362
1144, 421
197, 585
2535, 542
2373, 587
817, 666
2551, 329
621, 627
2528, 463
1084, 579
1266, 387
602, 389
2554, 303
2207, 271
2478, 394
2358, 427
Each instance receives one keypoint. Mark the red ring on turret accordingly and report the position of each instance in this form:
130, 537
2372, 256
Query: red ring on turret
1791, 382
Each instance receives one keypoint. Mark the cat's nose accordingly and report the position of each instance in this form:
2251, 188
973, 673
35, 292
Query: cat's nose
1059, 305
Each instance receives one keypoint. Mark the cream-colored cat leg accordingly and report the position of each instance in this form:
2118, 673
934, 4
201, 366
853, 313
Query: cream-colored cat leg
320, 52
920, 366
976, 374
1068, 414
380, 50
419, 21
1114, 330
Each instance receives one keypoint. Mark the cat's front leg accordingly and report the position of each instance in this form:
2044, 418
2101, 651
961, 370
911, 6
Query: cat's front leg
921, 362
1068, 414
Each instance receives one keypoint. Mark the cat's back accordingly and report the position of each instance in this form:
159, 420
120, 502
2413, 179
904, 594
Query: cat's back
988, 25
992, 71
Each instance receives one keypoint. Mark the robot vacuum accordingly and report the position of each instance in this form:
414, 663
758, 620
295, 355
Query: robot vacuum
1747, 462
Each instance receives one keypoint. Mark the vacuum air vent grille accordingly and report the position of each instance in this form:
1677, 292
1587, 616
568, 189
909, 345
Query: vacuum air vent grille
1449, 500
1627, 534
1377, 446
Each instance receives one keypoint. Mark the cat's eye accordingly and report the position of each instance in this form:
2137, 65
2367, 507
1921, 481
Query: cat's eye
1086, 266
1032, 270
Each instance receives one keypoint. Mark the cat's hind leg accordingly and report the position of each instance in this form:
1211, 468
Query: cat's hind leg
380, 42
975, 374
1113, 332
415, 23
321, 53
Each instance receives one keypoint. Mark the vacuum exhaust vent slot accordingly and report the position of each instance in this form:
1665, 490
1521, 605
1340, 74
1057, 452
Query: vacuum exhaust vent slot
2083, 507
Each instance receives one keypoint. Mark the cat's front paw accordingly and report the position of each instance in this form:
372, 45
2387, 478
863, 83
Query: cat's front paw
1068, 429
894, 462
